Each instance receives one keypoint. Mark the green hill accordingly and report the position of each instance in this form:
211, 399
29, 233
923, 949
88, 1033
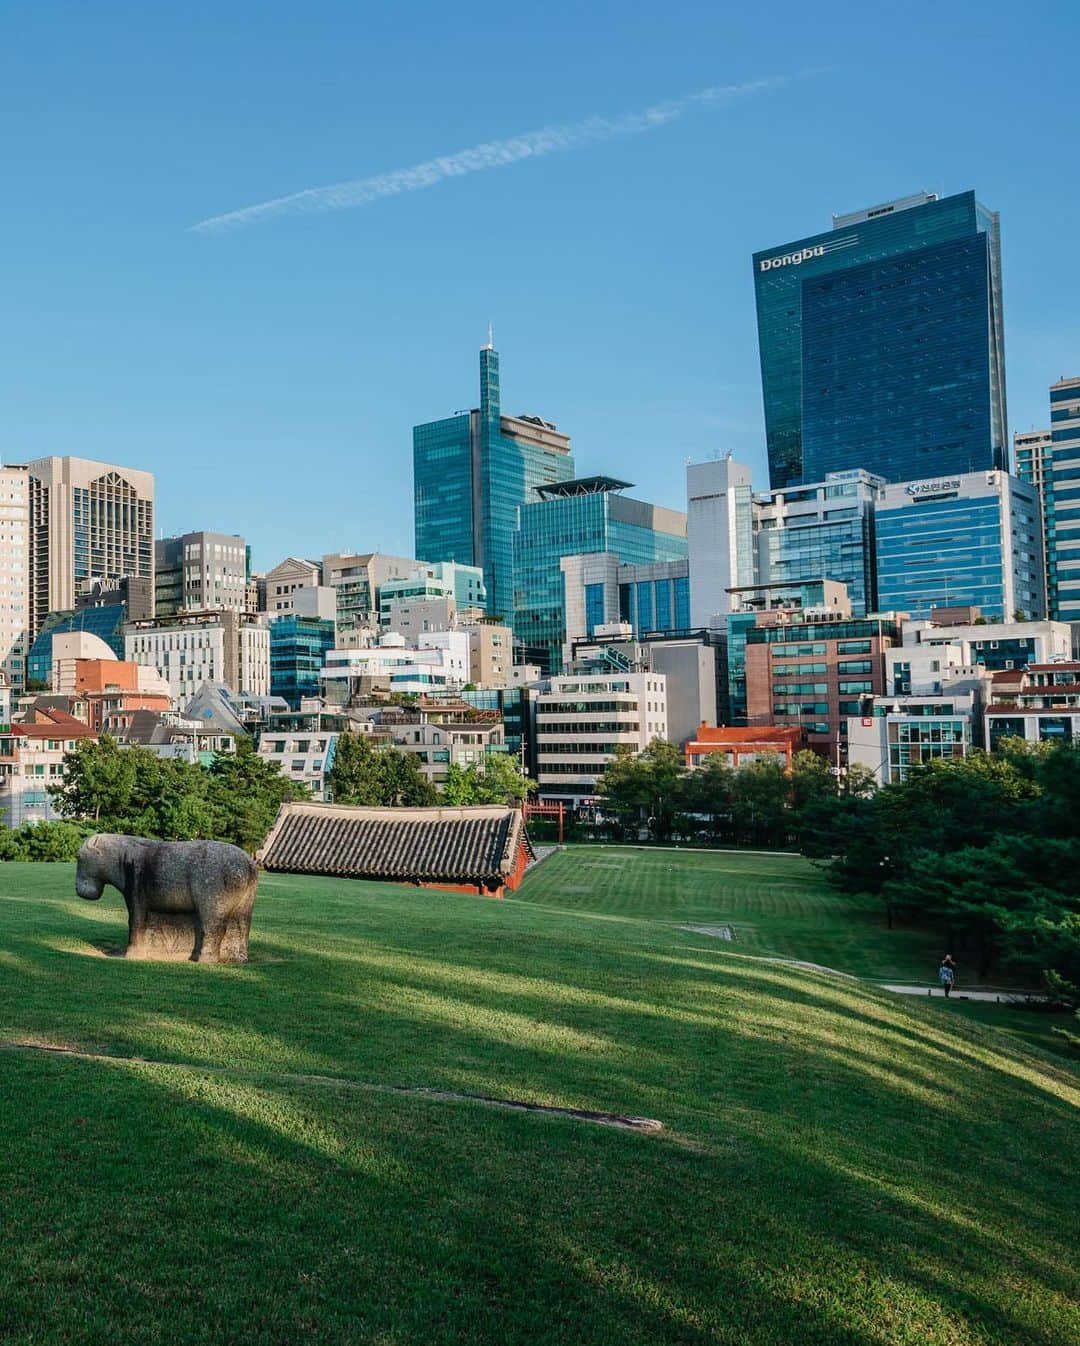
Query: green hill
837, 1165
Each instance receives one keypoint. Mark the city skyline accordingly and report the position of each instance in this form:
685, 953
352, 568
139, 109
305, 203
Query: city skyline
220, 362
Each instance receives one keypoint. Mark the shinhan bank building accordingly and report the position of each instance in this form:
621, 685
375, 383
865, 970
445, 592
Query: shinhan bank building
882, 344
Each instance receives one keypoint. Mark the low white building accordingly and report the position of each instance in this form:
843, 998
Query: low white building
303, 756
438, 663
904, 732
1046, 708
189, 649
582, 719
32, 760
439, 745
995, 645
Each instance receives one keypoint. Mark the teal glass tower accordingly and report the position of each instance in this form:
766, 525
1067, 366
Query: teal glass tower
574, 518
471, 471
882, 344
1050, 461
298, 647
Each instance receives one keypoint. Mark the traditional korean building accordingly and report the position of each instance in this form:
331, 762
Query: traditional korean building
481, 849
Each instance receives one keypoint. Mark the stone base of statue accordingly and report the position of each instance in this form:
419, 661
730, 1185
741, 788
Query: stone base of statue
169, 937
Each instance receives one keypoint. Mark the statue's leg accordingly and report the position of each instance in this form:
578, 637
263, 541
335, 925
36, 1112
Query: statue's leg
136, 931
136, 914
209, 933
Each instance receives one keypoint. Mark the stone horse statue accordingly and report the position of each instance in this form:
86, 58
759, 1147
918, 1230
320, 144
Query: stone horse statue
185, 899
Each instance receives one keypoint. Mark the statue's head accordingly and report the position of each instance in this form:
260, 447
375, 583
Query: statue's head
90, 868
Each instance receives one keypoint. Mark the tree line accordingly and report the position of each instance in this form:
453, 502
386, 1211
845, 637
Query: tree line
759, 804
384, 776
984, 849
107, 788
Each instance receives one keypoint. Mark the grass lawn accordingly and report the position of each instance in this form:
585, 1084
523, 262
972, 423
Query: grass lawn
838, 1165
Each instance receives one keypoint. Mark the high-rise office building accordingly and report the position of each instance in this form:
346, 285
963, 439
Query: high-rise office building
88, 521
821, 531
882, 344
1050, 461
470, 474
573, 518
792, 535
1031, 453
975, 538
200, 572
14, 582
719, 530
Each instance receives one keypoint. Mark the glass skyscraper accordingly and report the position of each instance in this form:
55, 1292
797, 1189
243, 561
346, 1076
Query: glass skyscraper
882, 344
949, 541
470, 474
573, 518
298, 647
823, 531
1050, 461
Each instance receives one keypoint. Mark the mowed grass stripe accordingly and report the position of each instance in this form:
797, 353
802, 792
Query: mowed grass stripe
844, 1166
780, 905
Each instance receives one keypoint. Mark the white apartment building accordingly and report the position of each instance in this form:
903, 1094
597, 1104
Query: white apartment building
278, 585
304, 756
490, 643
32, 760
190, 649
14, 579
1046, 708
582, 720
996, 645
438, 663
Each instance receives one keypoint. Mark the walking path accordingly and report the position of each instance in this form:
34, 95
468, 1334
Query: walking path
1003, 997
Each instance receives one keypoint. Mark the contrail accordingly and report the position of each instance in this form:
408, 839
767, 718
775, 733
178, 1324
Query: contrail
492, 154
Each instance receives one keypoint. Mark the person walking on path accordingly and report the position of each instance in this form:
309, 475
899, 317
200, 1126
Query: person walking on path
947, 974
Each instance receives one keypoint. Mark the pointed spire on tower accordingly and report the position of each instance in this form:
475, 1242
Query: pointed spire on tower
491, 338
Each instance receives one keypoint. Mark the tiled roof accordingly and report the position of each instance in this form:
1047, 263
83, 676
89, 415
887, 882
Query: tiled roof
433, 845
51, 723
763, 734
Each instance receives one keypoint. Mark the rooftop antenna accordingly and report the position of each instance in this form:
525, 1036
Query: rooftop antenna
491, 339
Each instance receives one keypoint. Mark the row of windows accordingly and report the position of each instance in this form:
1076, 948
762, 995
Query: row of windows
569, 769
556, 750
546, 707
591, 727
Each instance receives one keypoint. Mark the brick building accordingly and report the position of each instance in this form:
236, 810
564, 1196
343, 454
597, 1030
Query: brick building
815, 672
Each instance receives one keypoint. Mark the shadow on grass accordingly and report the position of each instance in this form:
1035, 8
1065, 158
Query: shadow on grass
176, 1207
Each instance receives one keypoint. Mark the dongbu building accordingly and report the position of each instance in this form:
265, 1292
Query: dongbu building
882, 344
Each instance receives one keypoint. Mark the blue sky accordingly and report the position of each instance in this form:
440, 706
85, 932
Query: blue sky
270, 375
